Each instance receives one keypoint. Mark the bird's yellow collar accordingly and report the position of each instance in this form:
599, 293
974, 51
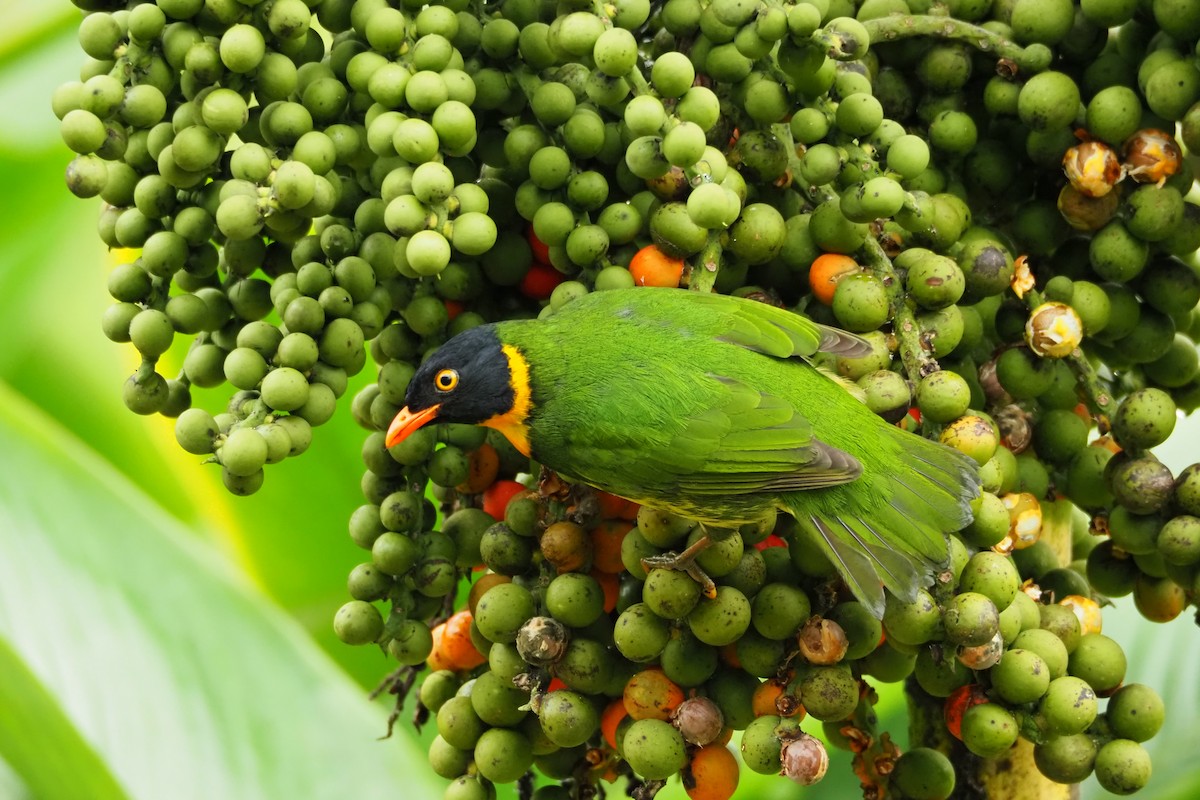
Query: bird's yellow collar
513, 423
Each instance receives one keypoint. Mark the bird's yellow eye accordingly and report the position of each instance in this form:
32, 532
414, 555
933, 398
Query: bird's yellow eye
446, 380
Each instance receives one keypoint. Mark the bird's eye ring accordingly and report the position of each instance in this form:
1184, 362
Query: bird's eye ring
446, 380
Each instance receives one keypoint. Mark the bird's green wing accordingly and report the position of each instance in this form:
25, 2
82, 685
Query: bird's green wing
740, 441
755, 442
755, 326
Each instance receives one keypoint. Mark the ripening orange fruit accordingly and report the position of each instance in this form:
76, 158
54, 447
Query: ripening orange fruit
763, 701
607, 537
610, 586
497, 495
712, 774
614, 712
826, 271
456, 646
483, 465
652, 267
650, 694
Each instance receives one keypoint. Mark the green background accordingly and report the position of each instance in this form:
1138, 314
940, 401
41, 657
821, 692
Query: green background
160, 638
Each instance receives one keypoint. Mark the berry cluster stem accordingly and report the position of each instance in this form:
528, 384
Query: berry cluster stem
916, 359
902, 26
707, 265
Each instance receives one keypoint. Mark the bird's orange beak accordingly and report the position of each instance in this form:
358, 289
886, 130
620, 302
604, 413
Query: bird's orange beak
406, 422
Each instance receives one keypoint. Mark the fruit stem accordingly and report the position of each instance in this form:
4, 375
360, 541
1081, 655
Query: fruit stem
638, 81
527, 81
874, 753
917, 361
708, 263
815, 194
398, 683
902, 26
257, 415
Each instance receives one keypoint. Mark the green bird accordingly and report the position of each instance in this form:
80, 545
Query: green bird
706, 406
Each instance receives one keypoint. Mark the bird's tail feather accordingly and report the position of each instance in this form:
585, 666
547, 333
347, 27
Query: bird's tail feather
895, 535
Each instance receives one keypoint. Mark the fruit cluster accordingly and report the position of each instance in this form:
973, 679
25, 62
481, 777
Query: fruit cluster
992, 192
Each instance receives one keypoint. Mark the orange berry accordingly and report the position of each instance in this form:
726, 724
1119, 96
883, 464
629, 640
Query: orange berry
479, 588
453, 308
496, 497
825, 273
610, 719
457, 646
611, 506
606, 545
957, 704
650, 694
764, 697
652, 267
712, 774
483, 465
611, 587
437, 658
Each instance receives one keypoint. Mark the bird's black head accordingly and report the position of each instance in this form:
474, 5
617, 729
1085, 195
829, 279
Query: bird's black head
474, 378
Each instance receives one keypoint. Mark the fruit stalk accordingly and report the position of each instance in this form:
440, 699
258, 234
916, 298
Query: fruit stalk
895, 26
916, 359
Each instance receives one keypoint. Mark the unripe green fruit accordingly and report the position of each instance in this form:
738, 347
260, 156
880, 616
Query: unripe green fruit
1135, 712
1069, 706
1066, 759
568, 718
1122, 766
1144, 419
988, 730
993, 576
943, 396
829, 693
924, 774
912, 623
760, 747
358, 623
1020, 677
971, 619
654, 749
1048, 647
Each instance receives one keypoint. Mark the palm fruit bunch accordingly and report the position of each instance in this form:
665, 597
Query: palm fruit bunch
994, 193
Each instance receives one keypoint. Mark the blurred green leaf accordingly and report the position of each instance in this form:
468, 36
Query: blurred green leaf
182, 678
38, 739
38, 51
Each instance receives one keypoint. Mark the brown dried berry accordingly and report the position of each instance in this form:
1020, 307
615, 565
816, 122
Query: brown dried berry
541, 641
822, 641
804, 760
699, 719
567, 546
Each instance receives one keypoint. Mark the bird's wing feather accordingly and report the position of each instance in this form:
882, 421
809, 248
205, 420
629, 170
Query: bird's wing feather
775, 331
756, 326
743, 442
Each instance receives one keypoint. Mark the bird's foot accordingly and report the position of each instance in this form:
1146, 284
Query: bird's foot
686, 562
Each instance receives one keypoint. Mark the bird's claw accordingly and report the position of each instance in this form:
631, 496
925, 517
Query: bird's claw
686, 562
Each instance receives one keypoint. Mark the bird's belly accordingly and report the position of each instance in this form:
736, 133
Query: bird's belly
727, 511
